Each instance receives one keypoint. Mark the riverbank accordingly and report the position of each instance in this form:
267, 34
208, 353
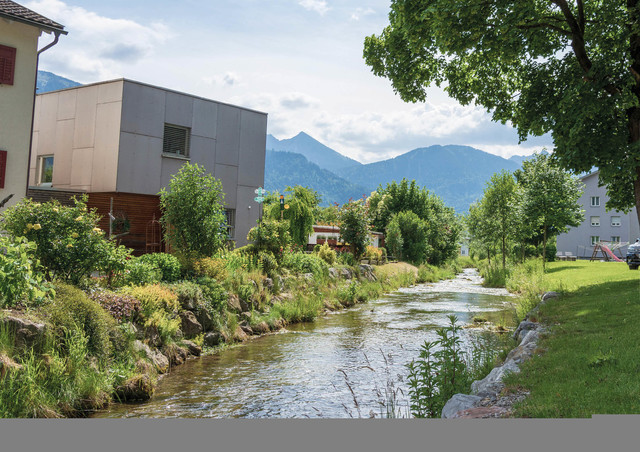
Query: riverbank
584, 359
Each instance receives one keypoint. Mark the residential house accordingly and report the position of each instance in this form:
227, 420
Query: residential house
599, 224
20, 29
331, 235
121, 141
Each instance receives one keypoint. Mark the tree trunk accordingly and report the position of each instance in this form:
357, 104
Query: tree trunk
544, 249
636, 192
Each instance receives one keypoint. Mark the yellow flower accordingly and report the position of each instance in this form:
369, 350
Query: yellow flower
24, 232
79, 218
37, 226
29, 226
98, 230
55, 209
74, 235
70, 245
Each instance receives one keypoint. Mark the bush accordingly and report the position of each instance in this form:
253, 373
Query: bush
211, 267
122, 307
70, 244
270, 235
215, 296
19, 277
327, 254
189, 294
137, 273
159, 307
72, 310
373, 253
168, 265
306, 263
268, 263
346, 258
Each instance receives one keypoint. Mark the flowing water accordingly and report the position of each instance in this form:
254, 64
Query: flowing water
345, 364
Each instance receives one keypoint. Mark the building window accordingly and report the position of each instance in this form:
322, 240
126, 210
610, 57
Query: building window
595, 201
595, 239
176, 140
595, 221
231, 222
7, 64
45, 172
615, 221
615, 239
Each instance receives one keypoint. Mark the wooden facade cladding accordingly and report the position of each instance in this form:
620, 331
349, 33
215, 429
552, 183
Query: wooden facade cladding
64, 197
135, 209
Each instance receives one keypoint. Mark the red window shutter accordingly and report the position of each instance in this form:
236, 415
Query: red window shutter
3, 167
7, 64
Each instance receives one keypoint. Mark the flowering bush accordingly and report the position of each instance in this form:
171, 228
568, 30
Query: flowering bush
19, 277
69, 244
327, 254
122, 307
211, 267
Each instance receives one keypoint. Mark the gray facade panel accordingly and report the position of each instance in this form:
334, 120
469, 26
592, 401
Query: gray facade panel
143, 110
139, 164
170, 166
228, 135
228, 175
205, 118
252, 140
247, 212
203, 152
179, 110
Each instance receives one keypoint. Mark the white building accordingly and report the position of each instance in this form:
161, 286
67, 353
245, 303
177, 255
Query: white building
599, 224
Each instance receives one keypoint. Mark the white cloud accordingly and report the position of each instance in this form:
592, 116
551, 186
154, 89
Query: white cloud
507, 151
361, 12
319, 6
97, 47
228, 79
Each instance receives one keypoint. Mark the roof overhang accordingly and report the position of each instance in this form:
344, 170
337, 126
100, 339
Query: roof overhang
47, 28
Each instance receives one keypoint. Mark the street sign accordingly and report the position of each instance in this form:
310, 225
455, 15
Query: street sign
258, 198
259, 191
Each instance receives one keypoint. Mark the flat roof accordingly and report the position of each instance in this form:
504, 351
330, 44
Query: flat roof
169, 90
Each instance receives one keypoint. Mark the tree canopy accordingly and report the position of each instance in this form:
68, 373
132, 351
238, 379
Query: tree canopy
571, 68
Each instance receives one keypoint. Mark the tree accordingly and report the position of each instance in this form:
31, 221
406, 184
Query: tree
571, 68
477, 221
549, 198
414, 232
302, 202
498, 206
354, 225
193, 216
393, 239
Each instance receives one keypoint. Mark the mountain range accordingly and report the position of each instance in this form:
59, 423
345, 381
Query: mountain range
458, 174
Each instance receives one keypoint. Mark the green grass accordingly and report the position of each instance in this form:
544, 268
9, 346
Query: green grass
588, 363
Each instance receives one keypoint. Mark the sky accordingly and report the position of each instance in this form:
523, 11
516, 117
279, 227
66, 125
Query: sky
300, 61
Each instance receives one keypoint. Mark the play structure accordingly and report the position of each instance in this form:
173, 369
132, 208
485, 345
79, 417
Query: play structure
607, 250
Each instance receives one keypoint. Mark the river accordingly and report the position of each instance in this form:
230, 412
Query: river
349, 363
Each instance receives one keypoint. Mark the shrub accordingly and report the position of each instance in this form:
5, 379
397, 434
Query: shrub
72, 310
346, 295
346, 258
306, 263
70, 245
19, 277
327, 254
373, 253
137, 273
168, 264
270, 235
122, 307
159, 307
189, 294
215, 296
268, 263
211, 267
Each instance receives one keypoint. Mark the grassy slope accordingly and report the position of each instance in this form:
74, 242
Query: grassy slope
591, 360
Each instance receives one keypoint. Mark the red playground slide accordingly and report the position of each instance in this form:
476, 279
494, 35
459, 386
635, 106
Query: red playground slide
610, 253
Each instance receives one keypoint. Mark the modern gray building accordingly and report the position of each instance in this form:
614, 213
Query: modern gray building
121, 141
599, 224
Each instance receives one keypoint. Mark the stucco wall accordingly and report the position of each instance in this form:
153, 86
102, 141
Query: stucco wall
16, 105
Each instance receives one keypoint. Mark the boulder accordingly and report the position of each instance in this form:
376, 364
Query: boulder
346, 273
459, 402
492, 383
160, 362
247, 329
333, 273
522, 352
366, 271
549, 295
190, 325
278, 324
245, 306
239, 335
152, 336
261, 328
212, 339
524, 327
193, 349
7, 365
268, 284
204, 318
245, 316
175, 354
233, 303
26, 333
136, 388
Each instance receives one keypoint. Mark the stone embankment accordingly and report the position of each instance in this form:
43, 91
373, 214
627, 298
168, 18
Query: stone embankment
487, 398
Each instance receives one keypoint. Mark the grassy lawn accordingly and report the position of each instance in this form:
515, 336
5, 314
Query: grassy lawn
590, 360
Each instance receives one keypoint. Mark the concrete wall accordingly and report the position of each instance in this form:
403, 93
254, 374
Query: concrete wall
578, 240
108, 137
80, 127
16, 105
